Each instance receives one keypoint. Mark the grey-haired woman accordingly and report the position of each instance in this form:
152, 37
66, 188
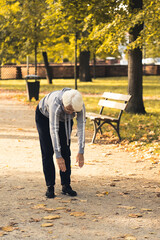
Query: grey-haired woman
54, 120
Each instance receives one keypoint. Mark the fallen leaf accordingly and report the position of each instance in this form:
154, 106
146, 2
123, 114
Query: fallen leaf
47, 225
112, 185
1, 234
106, 154
49, 209
51, 217
127, 207
74, 199
35, 220
116, 180
146, 209
18, 187
135, 228
13, 224
135, 215
19, 129
102, 194
65, 223
151, 133
8, 229
77, 214
95, 220
39, 206
89, 163
30, 198
60, 208
68, 210
130, 237
154, 161
125, 193
65, 201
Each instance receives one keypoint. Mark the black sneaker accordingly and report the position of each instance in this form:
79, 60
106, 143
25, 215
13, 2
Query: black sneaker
66, 189
50, 192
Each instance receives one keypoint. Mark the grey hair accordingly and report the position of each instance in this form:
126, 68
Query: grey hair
73, 98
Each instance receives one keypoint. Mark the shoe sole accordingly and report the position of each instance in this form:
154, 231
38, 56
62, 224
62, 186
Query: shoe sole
52, 196
65, 193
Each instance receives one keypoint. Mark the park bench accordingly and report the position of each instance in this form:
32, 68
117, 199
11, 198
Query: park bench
110, 100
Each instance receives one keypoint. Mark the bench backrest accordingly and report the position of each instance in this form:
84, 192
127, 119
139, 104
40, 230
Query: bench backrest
114, 104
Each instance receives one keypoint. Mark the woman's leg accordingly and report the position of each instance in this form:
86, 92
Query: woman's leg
66, 153
42, 123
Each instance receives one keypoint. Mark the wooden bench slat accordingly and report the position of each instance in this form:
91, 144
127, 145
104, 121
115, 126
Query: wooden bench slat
93, 116
116, 96
112, 104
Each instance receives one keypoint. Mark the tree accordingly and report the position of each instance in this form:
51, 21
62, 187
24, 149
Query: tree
48, 69
151, 31
135, 105
84, 69
8, 32
31, 29
21, 28
112, 21
67, 17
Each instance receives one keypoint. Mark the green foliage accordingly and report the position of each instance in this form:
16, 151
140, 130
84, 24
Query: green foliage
8, 37
65, 20
21, 28
51, 25
30, 28
111, 29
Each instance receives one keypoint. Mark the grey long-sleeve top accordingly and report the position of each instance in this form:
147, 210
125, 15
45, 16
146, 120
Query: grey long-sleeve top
52, 107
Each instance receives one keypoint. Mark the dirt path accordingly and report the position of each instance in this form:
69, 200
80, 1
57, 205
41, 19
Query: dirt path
117, 192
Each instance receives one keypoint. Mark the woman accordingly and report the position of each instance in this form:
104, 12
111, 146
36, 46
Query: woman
54, 120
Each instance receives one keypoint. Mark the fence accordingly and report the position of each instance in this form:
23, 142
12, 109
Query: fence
67, 71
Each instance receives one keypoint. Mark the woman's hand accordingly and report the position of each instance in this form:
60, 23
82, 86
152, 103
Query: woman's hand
61, 164
80, 159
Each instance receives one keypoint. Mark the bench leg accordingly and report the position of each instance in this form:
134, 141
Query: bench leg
117, 129
95, 132
98, 123
97, 127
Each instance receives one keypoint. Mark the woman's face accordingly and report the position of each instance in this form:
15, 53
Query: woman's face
69, 109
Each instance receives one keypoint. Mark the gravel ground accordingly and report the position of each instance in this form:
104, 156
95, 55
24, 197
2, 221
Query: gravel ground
118, 193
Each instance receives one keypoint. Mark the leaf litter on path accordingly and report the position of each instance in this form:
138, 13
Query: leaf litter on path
51, 217
46, 224
78, 214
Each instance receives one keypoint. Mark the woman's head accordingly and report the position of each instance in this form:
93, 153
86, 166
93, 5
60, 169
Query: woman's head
72, 100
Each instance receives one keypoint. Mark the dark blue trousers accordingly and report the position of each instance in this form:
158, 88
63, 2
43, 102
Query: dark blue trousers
47, 150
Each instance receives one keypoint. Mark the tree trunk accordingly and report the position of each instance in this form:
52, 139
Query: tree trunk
75, 60
48, 69
94, 66
84, 68
35, 58
135, 73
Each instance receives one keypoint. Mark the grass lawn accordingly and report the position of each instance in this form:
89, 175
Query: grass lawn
142, 131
